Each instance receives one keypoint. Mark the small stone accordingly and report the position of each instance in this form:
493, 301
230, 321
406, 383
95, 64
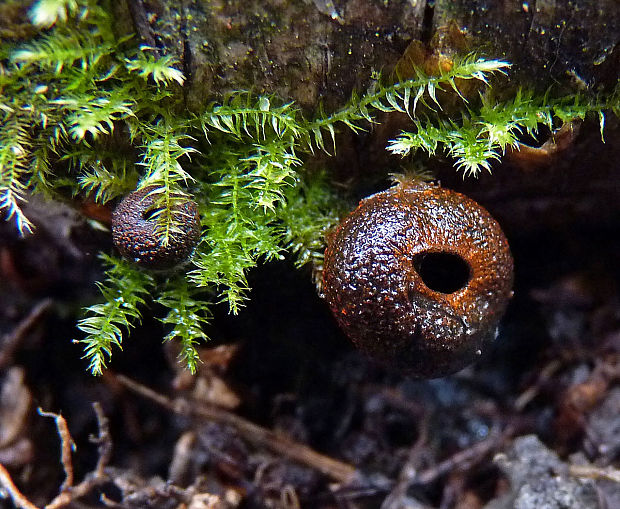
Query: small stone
540, 480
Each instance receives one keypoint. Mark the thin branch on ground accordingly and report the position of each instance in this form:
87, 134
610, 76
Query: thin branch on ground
68, 492
409, 470
257, 435
67, 446
18, 498
10, 342
594, 472
103, 441
98, 476
544, 376
466, 458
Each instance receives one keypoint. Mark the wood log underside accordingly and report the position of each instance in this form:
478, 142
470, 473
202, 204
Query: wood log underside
313, 51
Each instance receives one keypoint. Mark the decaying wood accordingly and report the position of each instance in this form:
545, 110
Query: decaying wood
318, 51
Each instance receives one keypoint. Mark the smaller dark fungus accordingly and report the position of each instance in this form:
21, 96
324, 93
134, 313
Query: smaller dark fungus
134, 231
418, 277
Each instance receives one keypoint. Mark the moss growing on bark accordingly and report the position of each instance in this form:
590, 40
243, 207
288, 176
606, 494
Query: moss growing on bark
88, 115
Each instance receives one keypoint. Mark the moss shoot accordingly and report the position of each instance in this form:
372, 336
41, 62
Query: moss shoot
87, 114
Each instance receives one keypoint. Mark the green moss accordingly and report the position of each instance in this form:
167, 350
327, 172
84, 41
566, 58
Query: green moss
84, 113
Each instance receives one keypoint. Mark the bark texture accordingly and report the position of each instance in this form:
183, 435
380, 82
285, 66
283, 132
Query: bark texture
315, 51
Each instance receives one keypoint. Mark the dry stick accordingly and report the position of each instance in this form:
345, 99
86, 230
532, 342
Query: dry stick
11, 341
66, 447
531, 392
18, 499
594, 472
68, 492
75, 492
253, 433
65, 457
464, 458
408, 471
103, 441
98, 476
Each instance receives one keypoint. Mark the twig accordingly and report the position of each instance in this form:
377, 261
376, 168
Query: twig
68, 492
7, 483
103, 440
11, 341
253, 433
464, 458
15, 406
593, 472
66, 447
531, 392
409, 470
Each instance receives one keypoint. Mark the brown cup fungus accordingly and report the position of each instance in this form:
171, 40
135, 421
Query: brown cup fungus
418, 278
135, 235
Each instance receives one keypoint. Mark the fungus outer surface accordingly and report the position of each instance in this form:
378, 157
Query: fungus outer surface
418, 278
134, 231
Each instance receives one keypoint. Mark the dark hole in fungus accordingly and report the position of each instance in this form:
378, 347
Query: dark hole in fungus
442, 272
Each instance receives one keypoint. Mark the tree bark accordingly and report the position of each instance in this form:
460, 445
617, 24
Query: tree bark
320, 51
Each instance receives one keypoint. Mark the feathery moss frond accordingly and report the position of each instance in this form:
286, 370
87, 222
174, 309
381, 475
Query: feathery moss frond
14, 160
240, 220
94, 116
471, 151
46, 13
483, 136
55, 51
241, 115
125, 290
402, 96
187, 314
164, 147
104, 185
312, 210
161, 70
270, 169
